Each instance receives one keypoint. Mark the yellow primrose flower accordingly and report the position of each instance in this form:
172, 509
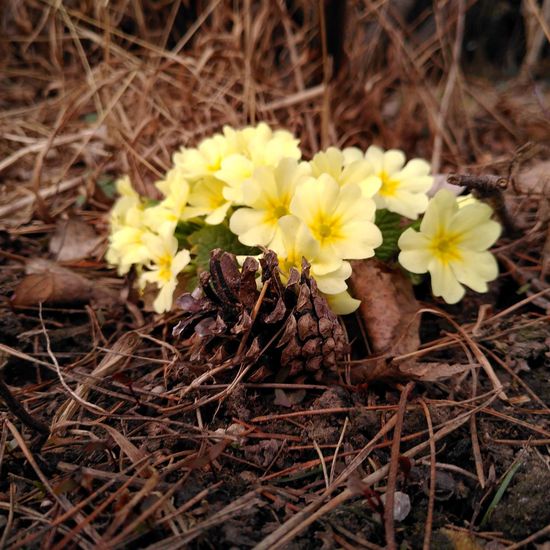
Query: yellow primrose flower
164, 216
127, 247
344, 169
466, 200
127, 208
296, 243
267, 194
206, 159
262, 145
452, 246
342, 303
206, 198
127, 229
166, 263
404, 186
256, 146
340, 218
280, 144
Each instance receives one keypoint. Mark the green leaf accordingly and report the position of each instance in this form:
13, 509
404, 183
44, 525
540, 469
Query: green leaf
390, 224
415, 278
209, 237
108, 186
90, 118
184, 229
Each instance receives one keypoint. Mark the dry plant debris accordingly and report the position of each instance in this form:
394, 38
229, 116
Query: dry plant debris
143, 450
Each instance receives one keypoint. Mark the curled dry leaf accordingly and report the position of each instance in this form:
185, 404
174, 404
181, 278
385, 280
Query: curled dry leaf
49, 283
388, 307
431, 372
73, 240
388, 311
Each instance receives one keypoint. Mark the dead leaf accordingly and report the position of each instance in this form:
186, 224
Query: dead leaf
212, 453
73, 240
389, 313
34, 289
127, 447
430, 372
50, 283
535, 179
288, 398
460, 540
388, 307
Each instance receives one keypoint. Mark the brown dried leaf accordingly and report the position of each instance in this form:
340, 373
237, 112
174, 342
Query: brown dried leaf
388, 307
535, 179
49, 283
34, 289
288, 398
430, 372
73, 240
388, 311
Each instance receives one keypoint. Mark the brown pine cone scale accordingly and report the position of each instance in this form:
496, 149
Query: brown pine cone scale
291, 333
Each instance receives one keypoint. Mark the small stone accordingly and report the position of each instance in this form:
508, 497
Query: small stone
401, 505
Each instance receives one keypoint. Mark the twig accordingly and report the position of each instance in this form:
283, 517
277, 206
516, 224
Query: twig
326, 110
43, 193
530, 539
298, 75
20, 412
449, 87
9, 522
340, 440
485, 183
490, 187
394, 468
323, 462
85, 404
476, 450
433, 473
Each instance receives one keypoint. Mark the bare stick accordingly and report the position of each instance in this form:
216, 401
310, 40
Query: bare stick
449, 87
394, 469
20, 412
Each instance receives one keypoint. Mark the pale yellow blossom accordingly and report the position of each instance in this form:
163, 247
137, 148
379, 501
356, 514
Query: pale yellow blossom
297, 243
256, 146
267, 195
339, 218
165, 216
206, 159
127, 247
128, 206
206, 199
165, 264
127, 228
404, 184
452, 246
342, 303
345, 169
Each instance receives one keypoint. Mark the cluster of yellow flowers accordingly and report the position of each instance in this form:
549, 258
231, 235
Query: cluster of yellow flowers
253, 183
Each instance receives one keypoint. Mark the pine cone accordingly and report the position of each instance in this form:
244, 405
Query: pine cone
289, 330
